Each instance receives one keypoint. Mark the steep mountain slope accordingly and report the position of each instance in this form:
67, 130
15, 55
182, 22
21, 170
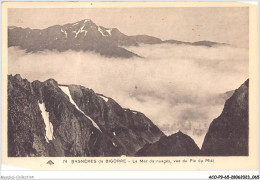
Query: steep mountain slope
177, 144
48, 119
228, 134
84, 35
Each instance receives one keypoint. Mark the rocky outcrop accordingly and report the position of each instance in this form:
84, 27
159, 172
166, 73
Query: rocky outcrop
95, 126
228, 134
177, 144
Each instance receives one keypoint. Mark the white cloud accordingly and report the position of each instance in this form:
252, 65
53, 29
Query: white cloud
176, 86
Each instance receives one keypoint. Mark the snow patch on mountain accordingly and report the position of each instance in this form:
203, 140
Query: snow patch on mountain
46, 139
135, 112
103, 97
109, 31
101, 31
48, 124
65, 32
66, 90
81, 30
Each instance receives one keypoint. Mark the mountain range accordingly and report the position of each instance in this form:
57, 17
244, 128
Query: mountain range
52, 119
85, 35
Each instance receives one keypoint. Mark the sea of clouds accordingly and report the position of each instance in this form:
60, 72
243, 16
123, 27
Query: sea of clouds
179, 87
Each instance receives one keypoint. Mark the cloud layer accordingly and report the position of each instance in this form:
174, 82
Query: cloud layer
179, 87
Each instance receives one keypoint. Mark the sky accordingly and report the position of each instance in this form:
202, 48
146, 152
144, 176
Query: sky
223, 24
178, 87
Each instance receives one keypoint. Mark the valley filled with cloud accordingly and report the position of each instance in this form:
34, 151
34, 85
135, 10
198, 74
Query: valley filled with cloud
179, 87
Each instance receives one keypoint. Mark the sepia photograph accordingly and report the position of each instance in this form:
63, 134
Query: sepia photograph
128, 82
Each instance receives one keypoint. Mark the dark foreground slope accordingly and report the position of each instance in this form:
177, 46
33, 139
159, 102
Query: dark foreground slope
177, 144
228, 134
100, 127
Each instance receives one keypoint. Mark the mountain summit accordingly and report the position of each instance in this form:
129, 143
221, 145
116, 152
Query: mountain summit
84, 35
